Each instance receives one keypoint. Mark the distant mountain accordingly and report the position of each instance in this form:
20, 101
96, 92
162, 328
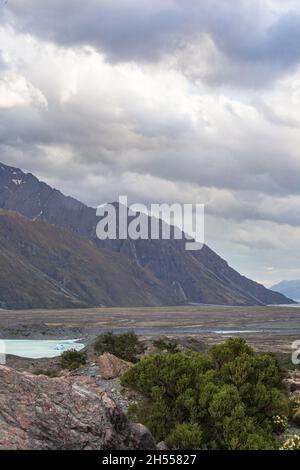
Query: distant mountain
289, 288
184, 276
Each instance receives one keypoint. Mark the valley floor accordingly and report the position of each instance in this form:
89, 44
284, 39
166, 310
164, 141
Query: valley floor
265, 328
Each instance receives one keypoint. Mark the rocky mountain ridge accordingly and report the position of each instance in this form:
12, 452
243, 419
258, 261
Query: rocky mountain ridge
185, 277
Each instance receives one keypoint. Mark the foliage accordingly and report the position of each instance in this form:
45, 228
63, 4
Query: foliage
293, 443
164, 344
285, 361
125, 346
295, 401
72, 359
296, 417
225, 399
187, 436
295, 409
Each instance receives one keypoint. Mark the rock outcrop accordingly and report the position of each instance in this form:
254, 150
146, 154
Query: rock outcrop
112, 367
72, 413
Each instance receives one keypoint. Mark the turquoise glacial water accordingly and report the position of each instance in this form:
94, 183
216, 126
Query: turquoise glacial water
38, 349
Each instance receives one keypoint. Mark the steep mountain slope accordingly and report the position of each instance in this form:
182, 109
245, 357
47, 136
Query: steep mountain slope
43, 266
199, 277
289, 288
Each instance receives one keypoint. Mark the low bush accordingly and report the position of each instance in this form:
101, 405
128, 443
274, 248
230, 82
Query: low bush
187, 436
295, 409
285, 361
126, 346
295, 402
72, 359
226, 399
164, 344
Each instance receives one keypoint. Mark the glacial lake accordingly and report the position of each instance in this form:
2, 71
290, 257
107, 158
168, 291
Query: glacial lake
38, 349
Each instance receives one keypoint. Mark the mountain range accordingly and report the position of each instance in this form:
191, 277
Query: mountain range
289, 288
50, 257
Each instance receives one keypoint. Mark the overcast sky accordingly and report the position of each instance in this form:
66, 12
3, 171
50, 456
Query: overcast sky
164, 101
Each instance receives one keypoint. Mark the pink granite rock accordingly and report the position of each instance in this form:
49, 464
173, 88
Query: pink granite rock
37, 412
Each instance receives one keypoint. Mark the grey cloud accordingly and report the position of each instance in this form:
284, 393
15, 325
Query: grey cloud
220, 167
112, 149
147, 143
253, 206
3, 64
273, 117
255, 50
127, 30
253, 247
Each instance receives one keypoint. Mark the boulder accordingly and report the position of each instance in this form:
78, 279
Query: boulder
112, 367
70, 413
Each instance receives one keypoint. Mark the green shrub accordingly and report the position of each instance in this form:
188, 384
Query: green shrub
285, 361
186, 436
163, 344
296, 417
72, 359
125, 346
225, 399
295, 409
295, 402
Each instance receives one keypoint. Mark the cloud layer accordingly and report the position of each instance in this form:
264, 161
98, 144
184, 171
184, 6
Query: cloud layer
163, 100
251, 42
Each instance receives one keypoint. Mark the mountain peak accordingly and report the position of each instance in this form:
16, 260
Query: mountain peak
187, 277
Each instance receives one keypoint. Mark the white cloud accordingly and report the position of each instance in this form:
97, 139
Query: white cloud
16, 91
